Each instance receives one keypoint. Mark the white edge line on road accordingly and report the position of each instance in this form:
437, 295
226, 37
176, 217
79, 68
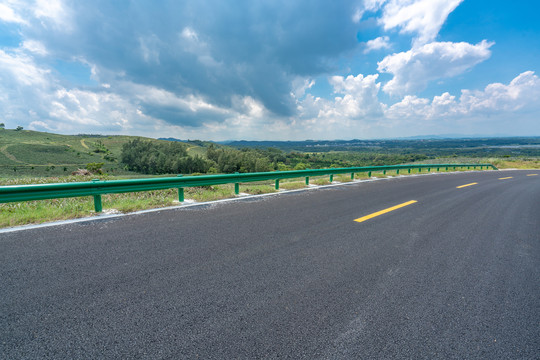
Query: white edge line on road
192, 204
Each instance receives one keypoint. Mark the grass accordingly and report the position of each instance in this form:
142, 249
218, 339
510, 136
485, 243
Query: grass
522, 163
257, 189
292, 185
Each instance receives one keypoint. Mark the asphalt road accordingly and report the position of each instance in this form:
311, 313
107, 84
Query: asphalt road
454, 275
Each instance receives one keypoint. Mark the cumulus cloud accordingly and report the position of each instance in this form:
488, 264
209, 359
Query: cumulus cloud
421, 17
359, 111
414, 69
246, 71
253, 49
359, 102
503, 100
522, 93
382, 42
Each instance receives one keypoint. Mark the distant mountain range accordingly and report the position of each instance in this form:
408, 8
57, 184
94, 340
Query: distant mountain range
417, 137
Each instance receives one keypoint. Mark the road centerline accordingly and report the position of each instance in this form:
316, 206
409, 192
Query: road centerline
504, 178
375, 214
532, 174
462, 186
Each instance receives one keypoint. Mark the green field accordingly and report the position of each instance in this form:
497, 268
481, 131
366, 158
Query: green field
27, 153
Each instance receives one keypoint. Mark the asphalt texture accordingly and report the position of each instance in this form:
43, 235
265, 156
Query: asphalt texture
454, 276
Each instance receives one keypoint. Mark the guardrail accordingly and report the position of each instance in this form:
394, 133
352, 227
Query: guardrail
96, 188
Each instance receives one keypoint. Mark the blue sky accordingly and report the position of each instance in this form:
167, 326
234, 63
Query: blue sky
271, 70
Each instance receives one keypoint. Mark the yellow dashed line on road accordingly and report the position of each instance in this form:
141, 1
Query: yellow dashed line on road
506, 178
532, 174
462, 186
367, 217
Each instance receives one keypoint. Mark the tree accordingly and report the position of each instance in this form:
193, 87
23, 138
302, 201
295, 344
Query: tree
19, 128
161, 158
2, 126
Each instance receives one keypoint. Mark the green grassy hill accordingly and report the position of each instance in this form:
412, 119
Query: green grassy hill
33, 153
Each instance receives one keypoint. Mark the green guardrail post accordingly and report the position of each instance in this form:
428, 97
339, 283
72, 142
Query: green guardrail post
98, 206
384, 172
428, 169
419, 170
277, 184
409, 170
181, 194
352, 176
397, 172
369, 174
180, 191
307, 180
97, 203
236, 187
331, 177
437, 169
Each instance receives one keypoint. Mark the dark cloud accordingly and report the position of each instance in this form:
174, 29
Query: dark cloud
178, 116
213, 49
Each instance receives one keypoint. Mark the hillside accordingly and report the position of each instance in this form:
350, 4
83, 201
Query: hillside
33, 153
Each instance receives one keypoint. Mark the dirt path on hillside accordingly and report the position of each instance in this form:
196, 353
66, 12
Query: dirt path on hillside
3, 150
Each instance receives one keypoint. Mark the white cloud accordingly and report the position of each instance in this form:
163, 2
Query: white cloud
360, 97
414, 69
421, 17
53, 11
18, 68
300, 85
382, 42
352, 113
156, 96
189, 34
521, 94
7, 14
409, 106
35, 47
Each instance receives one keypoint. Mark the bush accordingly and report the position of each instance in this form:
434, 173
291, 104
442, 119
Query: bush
95, 168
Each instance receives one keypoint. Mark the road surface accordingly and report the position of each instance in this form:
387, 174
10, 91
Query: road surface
431, 269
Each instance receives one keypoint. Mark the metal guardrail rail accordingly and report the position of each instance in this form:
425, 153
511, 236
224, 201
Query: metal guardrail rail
96, 188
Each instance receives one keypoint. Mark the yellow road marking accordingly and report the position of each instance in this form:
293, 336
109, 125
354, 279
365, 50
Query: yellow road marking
506, 178
367, 217
532, 174
462, 186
